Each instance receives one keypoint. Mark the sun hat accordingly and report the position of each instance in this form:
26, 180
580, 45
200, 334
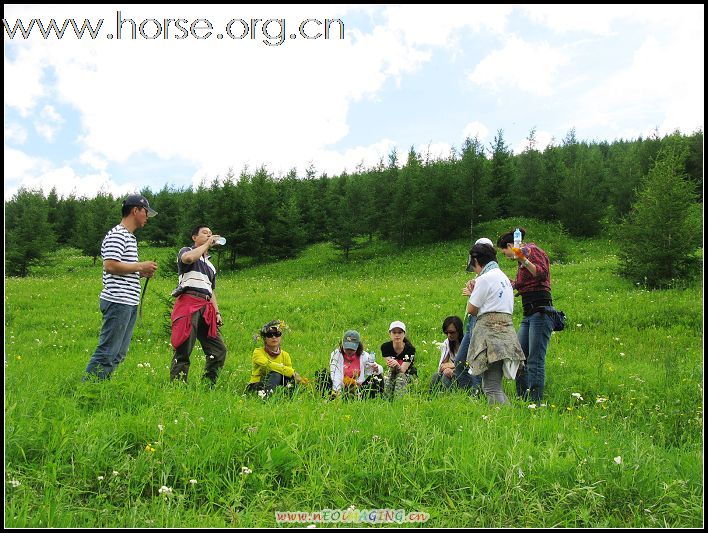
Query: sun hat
397, 324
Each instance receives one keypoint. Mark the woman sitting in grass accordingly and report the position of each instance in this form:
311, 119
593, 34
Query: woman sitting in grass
272, 366
443, 378
352, 370
399, 354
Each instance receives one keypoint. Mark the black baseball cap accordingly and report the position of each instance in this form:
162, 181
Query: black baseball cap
136, 200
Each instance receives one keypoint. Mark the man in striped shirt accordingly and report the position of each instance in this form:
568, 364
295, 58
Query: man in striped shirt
120, 296
196, 311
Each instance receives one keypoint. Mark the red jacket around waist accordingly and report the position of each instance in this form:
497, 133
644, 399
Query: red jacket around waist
185, 306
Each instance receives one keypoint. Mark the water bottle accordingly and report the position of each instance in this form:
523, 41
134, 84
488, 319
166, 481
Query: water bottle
517, 242
220, 241
517, 239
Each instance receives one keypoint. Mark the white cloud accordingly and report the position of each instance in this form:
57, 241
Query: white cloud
542, 140
662, 77
475, 129
526, 66
15, 133
433, 151
22, 170
48, 123
94, 161
439, 25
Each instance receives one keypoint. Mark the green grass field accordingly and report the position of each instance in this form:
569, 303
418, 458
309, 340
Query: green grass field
617, 442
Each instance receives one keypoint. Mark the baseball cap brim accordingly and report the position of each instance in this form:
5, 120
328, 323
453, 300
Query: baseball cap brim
151, 212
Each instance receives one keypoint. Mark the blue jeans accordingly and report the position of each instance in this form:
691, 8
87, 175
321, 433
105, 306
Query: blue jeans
534, 336
462, 376
114, 339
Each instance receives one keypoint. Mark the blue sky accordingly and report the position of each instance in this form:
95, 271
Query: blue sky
112, 115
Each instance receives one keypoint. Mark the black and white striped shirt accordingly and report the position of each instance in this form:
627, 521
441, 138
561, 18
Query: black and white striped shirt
120, 245
199, 276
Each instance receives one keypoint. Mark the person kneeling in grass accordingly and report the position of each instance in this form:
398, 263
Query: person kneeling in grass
399, 354
272, 366
353, 372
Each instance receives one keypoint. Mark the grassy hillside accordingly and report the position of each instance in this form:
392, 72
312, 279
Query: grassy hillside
625, 450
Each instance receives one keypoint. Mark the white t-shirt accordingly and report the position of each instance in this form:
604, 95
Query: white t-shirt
493, 293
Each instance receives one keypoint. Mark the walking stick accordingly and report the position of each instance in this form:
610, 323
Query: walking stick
142, 297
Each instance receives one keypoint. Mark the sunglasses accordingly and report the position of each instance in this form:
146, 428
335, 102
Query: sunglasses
271, 334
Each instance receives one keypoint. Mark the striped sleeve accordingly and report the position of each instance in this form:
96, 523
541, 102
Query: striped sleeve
120, 245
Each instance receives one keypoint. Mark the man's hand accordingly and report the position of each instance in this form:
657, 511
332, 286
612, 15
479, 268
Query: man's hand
468, 288
147, 268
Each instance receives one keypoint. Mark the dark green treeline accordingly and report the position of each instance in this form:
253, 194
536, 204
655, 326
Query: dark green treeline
587, 186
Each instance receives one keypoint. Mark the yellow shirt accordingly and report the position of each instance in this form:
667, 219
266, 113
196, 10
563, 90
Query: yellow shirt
264, 364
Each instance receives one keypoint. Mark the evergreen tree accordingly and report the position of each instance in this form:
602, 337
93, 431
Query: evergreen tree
403, 209
66, 220
528, 197
502, 178
98, 216
474, 183
164, 229
581, 205
28, 233
662, 232
344, 226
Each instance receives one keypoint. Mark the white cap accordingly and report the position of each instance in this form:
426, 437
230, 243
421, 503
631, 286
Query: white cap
397, 324
484, 240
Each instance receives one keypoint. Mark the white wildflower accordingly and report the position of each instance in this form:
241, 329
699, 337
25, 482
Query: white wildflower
193, 481
115, 472
618, 459
485, 417
577, 395
15, 483
165, 490
262, 394
521, 474
140, 365
600, 399
100, 478
160, 427
532, 406
245, 470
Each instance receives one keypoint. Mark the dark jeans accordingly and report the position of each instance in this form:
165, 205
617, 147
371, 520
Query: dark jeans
534, 336
271, 382
462, 378
440, 382
114, 339
214, 350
